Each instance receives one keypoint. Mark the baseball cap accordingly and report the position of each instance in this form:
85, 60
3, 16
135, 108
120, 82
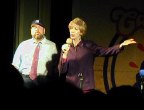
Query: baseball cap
38, 22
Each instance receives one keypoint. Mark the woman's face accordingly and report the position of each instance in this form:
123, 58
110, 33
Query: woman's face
74, 32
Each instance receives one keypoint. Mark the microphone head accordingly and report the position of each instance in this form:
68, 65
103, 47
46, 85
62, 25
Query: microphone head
69, 41
141, 72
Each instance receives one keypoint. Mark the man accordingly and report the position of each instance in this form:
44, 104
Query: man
25, 61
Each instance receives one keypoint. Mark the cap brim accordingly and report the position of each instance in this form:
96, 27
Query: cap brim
37, 24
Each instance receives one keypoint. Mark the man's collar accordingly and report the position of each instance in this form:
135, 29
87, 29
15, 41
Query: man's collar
42, 41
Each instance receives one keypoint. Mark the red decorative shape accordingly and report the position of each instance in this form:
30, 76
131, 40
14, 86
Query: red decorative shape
140, 46
133, 65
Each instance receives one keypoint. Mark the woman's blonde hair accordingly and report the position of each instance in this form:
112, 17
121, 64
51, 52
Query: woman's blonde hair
79, 22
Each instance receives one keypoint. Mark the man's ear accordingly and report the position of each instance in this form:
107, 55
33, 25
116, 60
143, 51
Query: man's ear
44, 30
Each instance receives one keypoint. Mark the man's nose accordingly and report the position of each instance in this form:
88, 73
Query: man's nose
36, 29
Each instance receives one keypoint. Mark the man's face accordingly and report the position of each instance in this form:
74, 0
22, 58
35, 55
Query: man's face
37, 31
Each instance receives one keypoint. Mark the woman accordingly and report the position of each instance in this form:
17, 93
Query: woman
77, 56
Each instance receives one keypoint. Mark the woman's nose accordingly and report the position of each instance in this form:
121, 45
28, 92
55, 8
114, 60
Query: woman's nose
72, 31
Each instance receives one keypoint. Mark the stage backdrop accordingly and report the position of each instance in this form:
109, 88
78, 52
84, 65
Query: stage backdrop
109, 23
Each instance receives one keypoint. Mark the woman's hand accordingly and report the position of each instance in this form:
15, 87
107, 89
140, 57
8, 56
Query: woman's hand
65, 48
127, 42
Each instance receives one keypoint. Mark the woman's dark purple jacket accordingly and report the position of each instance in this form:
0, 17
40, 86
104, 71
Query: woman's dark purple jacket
80, 61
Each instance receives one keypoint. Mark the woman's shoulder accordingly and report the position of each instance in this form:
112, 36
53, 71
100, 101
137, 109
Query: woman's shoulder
87, 42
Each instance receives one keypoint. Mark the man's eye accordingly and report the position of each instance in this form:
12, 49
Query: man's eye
33, 27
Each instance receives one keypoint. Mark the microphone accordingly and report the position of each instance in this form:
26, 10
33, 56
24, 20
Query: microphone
69, 41
66, 46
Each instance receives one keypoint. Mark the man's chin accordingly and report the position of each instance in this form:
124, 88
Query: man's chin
38, 37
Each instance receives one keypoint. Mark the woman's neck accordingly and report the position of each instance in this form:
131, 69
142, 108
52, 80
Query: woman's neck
76, 41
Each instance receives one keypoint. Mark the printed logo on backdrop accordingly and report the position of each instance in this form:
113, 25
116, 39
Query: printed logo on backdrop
127, 22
